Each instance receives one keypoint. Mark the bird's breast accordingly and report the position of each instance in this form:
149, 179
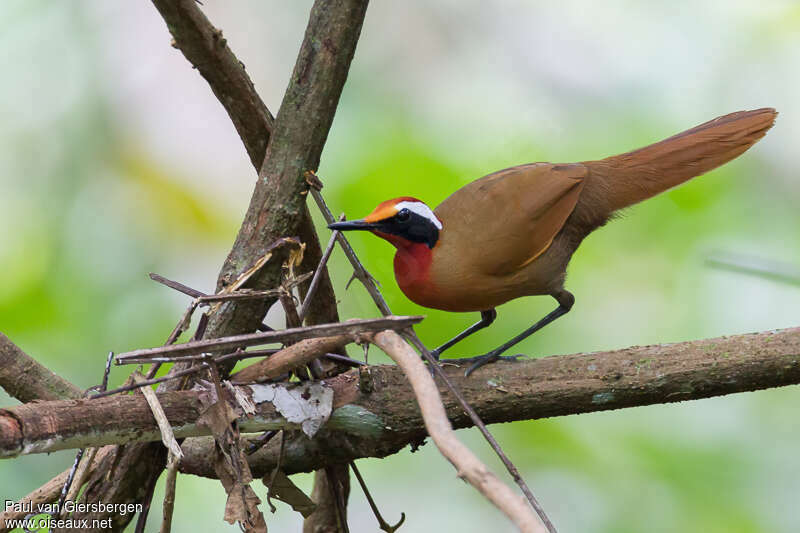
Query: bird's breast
412, 270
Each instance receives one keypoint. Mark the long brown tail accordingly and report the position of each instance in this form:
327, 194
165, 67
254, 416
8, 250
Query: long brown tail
626, 179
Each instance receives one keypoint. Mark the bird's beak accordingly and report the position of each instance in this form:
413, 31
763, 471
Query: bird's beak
352, 225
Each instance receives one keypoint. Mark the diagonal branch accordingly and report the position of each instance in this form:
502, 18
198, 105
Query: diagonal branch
278, 205
204, 47
26, 379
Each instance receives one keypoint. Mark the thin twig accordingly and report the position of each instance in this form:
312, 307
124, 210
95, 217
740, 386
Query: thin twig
344, 359
237, 355
261, 441
152, 381
277, 469
104, 384
293, 321
360, 272
349, 327
385, 526
141, 521
169, 493
194, 293
312, 288
68, 483
244, 294
436, 422
202, 324
167, 436
180, 287
80, 476
756, 266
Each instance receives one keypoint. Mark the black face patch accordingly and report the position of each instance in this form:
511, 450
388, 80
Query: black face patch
411, 226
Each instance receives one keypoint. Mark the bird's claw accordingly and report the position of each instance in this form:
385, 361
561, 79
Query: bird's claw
488, 358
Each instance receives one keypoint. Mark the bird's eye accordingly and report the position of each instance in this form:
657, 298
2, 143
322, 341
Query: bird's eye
403, 215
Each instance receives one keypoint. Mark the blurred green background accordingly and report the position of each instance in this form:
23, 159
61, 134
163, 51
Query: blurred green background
117, 161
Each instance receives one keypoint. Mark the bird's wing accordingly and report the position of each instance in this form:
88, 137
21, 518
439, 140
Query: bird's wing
507, 219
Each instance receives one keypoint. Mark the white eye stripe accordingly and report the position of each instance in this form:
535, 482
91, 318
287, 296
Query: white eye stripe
420, 209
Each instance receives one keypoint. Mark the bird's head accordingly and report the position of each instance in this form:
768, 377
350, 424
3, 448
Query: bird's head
402, 221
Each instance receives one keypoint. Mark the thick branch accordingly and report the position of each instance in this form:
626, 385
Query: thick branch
382, 422
376, 413
277, 207
26, 379
45, 427
289, 358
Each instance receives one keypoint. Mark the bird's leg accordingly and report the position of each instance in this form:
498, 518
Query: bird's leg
565, 300
487, 317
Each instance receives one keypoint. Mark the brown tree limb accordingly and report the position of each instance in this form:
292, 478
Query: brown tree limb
25, 379
377, 415
44, 427
530, 389
291, 357
277, 207
434, 417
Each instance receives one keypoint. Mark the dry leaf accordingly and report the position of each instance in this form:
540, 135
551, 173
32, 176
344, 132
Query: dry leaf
285, 490
217, 417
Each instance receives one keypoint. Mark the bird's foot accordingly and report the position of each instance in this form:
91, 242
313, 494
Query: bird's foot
485, 359
436, 353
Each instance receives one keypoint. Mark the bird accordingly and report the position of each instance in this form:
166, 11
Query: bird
512, 233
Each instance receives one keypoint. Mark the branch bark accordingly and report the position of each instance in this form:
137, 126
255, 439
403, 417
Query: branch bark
25, 379
375, 413
277, 207
533, 389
